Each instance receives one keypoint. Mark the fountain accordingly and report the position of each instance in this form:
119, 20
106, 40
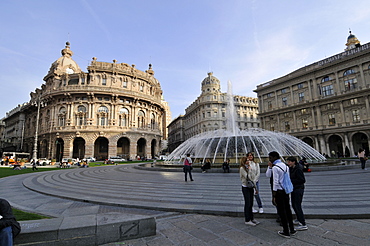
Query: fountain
234, 143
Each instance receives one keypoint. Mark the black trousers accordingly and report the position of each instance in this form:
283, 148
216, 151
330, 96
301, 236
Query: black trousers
284, 211
248, 203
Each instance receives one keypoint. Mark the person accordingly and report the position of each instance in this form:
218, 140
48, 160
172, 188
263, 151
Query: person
247, 173
279, 198
226, 166
206, 165
34, 165
306, 167
188, 167
9, 227
298, 180
361, 155
255, 167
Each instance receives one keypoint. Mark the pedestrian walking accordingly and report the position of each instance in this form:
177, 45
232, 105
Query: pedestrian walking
362, 157
34, 165
279, 198
298, 180
187, 167
248, 178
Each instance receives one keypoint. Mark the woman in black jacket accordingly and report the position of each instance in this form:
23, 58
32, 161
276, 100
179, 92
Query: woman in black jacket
298, 180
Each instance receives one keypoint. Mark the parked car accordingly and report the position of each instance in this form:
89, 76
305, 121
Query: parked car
89, 159
44, 161
65, 160
116, 159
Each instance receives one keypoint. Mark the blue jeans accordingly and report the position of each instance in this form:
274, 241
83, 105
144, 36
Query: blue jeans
258, 199
297, 197
6, 236
248, 203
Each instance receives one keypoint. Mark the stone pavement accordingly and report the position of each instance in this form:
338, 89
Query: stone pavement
338, 194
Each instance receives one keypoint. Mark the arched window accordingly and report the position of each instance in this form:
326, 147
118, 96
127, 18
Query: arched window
103, 116
348, 72
62, 116
124, 117
326, 78
152, 121
141, 119
81, 109
81, 116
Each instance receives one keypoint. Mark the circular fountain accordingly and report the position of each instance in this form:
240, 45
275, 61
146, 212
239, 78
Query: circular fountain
233, 143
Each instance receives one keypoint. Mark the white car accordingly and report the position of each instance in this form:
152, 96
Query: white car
116, 159
89, 159
44, 161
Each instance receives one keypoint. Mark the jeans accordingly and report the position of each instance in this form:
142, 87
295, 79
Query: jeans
284, 211
248, 203
258, 199
6, 236
187, 170
363, 162
297, 197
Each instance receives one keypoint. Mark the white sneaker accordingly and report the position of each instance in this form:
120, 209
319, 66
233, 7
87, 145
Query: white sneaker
296, 222
254, 211
260, 210
255, 222
250, 223
301, 228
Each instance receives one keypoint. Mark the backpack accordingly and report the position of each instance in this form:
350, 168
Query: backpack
287, 183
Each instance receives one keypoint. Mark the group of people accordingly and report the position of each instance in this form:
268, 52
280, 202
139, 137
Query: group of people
249, 174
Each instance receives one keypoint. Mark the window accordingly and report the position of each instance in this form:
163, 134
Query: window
285, 101
356, 115
82, 80
269, 105
81, 109
269, 95
103, 109
124, 84
326, 78
141, 88
331, 119
103, 120
208, 114
152, 121
251, 117
283, 91
348, 72
141, 119
287, 126
354, 101
327, 90
304, 123
301, 96
124, 114
303, 111
300, 86
350, 84
214, 113
223, 114
330, 106
272, 127
104, 81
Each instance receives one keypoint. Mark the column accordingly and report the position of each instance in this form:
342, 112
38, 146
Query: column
336, 86
319, 117
343, 118
347, 144
323, 147
363, 82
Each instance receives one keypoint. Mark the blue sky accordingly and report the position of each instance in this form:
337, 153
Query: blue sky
247, 42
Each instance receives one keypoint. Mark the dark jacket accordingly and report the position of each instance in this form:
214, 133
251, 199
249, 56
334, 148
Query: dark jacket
297, 176
8, 217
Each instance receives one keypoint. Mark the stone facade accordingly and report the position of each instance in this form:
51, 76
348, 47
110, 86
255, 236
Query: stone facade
209, 112
326, 104
113, 109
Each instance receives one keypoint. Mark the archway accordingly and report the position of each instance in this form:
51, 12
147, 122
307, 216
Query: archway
101, 148
335, 146
153, 148
141, 145
308, 141
360, 140
59, 149
78, 148
43, 149
123, 148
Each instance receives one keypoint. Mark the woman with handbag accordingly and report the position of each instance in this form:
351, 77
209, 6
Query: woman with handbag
247, 176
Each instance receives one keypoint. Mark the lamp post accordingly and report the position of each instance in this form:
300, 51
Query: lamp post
34, 156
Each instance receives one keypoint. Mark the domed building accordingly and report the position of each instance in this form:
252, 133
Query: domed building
113, 109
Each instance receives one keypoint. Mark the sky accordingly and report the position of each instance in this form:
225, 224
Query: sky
247, 42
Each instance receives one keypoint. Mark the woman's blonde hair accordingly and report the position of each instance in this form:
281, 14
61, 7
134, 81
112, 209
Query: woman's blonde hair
242, 162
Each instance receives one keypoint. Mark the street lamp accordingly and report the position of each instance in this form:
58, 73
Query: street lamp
38, 104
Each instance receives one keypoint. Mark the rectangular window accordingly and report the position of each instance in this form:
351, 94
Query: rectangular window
330, 106
214, 113
300, 86
327, 90
354, 101
269, 105
301, 96
285, 101
272, 127
209, 114
287, 126
286, 115
331, 119
82, 80
283, 91
356, 115
304, 123
124, 84
223, 114
141, 88
269, 95
104, 81
251, 117
350, 84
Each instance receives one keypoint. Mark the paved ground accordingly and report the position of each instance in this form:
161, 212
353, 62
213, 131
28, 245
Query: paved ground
212, 204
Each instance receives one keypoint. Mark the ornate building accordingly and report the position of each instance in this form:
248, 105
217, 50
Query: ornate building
208, 113
113, 109
326, 104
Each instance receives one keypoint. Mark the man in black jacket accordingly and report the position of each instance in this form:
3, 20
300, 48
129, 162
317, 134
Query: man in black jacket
9, 227
298, 180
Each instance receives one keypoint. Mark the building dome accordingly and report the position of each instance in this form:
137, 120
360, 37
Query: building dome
352, 41
210, 79
65, 64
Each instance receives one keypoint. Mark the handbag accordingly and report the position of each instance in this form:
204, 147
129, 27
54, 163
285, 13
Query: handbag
250, 184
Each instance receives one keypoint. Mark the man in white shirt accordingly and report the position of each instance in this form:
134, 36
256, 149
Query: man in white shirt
279, 198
